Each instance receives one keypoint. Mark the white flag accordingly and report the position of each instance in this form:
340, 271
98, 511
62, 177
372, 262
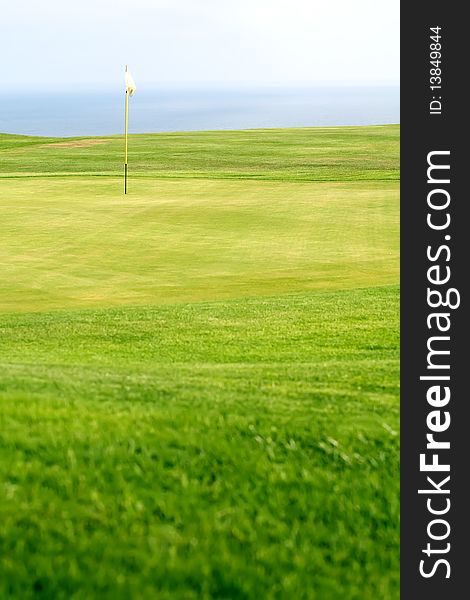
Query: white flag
130, 83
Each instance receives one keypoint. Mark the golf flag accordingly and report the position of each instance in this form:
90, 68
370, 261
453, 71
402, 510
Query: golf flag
130, 91
130, 83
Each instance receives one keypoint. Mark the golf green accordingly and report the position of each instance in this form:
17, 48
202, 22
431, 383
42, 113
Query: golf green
199, 380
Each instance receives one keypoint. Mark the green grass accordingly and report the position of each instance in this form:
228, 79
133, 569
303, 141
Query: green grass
307, 154
199, 381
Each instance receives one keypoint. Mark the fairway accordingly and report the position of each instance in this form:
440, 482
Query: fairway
199, 380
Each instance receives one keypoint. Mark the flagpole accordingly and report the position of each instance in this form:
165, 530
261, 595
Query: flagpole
126, 132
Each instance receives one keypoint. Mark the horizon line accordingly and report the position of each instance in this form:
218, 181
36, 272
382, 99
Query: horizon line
111, 135
285, 86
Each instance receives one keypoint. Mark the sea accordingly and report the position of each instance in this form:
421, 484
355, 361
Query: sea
101, 112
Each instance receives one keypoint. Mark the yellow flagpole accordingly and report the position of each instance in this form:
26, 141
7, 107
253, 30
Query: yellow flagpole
126, 132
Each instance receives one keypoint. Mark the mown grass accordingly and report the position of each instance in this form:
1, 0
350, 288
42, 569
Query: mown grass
82, 243
199, 381
306, 154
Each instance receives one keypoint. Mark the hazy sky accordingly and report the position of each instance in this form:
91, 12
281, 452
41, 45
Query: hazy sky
79, 43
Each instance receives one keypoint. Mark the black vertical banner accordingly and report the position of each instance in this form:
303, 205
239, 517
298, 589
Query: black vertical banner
435, 360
